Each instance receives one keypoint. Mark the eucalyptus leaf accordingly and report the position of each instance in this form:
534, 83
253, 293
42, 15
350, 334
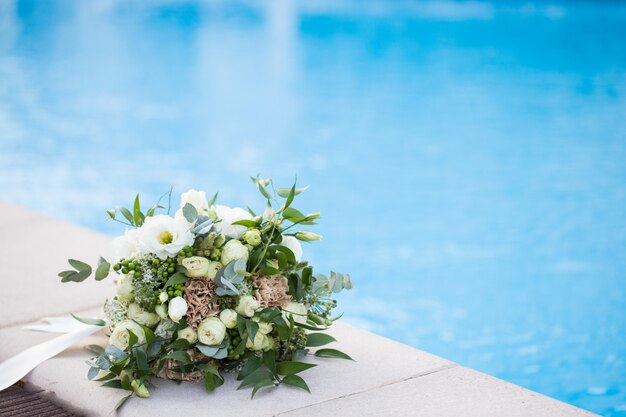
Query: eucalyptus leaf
102, 271
79, 265
190, 213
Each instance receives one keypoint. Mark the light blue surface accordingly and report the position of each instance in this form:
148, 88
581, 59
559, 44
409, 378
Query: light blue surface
469, 159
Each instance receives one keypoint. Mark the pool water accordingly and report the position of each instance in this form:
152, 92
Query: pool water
468, 158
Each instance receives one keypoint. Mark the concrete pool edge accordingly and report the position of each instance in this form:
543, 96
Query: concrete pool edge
387, 377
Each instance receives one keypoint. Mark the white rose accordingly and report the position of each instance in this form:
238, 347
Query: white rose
211, 331
293, 244
228, 216
197, 266
196, 198
264, 327
120, 337
177, 309
141, 316
247, 306
229, 318
233, 250
214, 266
125, 247
165, 236
125, 288
161, 310
188, 334
261, 341
297, 310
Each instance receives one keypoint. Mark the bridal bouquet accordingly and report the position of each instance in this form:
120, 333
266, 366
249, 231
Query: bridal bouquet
210, 290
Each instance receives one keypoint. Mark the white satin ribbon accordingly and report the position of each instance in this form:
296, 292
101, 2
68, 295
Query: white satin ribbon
15, 368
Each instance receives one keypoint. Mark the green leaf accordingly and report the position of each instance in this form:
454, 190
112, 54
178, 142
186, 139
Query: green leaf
332, 353
142, 358
246, 223
209, 351
93, 322
291, 367
260, 385
212, 379
263, 191
121, 402
179, 344
137, 215
79, 265
190, 213
293, 215
252, 327
98, 350
290, 197
107, 377
256, 377
284, 192
250, 366
180, 356
213, 199
177, 278
102, 271
319, 339
310, 327
269, 360
127, 215
111, 213
115, 383
132, 338
296, 381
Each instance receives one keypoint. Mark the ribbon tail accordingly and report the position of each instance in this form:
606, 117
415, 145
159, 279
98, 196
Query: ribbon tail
15, 368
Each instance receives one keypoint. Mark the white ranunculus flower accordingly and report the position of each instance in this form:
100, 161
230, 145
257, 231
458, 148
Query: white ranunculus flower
228, 216
233, 250
125, 288
188, 334
141, 316
264, 327
197, 266
297, 310
125, 246
293, 244
261, 341
177, 309
165, 236
120, 337
247, 305
211, 331
229, 318
214, 266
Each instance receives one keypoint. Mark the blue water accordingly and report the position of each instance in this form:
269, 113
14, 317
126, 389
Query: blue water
469, 158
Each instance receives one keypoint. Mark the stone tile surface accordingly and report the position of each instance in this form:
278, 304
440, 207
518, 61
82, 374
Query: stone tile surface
33, 249
386, 378
457, 391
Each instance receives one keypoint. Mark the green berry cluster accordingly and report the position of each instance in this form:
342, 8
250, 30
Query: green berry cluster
235, 340
172, 291
129, 266
186, 252
209, 246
